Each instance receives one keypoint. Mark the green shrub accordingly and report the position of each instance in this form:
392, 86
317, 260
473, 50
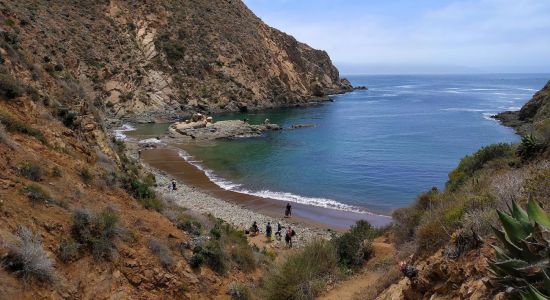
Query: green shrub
196, 260
188, 224
215, 256
10, 87
472, 163
530, 147
36, 194
302, 275
27, 259
143, 192
68, 250
96, 232
349, 246
31, 171
68, 117
430, 236
86, 175
14, 125
5, 138
56, 172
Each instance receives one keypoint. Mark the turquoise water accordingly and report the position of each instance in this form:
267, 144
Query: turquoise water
374, 149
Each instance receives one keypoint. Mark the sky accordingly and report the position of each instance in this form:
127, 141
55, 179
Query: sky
419, 36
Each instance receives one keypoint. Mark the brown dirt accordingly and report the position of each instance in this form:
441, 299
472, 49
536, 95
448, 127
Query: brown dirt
354, 286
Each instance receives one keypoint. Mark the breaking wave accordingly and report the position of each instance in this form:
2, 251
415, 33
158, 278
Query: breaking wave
119, 133
281, 196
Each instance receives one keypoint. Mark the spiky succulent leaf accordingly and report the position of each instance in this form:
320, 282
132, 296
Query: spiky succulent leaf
516, 230
536, 214
546, 283
524, 261
533, 294
500, 253
518, 213
511, 247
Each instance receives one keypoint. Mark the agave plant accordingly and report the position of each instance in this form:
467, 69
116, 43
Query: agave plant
523, 264
529, 147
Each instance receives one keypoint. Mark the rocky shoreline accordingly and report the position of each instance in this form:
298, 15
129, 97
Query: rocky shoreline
201, 127
240, 217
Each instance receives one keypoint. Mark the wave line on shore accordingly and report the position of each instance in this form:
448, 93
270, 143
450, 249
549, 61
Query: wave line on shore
267, 194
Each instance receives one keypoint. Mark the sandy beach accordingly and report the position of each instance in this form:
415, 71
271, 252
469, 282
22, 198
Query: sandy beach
197, 192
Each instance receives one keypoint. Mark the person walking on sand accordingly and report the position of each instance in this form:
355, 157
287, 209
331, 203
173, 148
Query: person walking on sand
288, 236
288, 210
268, 231
278, 233
174, 185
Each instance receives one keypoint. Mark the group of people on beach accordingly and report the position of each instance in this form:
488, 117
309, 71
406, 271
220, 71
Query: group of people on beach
289, 234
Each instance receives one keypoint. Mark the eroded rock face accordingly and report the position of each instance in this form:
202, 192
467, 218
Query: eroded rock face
145, 59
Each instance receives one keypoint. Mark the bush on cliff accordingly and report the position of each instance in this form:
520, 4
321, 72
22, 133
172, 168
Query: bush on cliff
350, 247
10, 87
468, 166
26, 257
12, 124
303, 275
96, 232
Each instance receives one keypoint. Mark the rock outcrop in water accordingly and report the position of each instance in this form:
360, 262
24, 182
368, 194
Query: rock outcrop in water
219, 130
532, 114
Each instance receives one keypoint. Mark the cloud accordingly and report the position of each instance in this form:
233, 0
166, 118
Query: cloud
492, 35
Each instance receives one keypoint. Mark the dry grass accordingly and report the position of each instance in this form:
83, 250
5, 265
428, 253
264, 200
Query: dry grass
161, 251
389, 277
27, 259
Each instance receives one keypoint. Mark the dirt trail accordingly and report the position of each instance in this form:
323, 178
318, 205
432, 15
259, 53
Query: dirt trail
356, 285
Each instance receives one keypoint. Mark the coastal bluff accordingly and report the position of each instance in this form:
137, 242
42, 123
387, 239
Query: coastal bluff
534, 114
148, 60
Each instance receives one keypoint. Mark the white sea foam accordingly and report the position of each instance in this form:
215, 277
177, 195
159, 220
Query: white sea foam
526, 89
281, 196
150, 141
489, 116
119, 133
464, 109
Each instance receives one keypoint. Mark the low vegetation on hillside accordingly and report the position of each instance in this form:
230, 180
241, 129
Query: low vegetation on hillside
305, 274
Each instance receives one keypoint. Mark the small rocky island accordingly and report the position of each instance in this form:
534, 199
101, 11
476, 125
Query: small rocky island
202, 127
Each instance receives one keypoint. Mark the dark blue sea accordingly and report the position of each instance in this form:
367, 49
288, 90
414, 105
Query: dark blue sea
374, 149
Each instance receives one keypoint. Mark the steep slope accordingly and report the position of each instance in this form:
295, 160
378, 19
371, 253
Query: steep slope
168, 57
77, 217
451, 231
535, 113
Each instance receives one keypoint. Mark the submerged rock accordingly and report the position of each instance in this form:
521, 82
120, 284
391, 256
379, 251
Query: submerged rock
298, 126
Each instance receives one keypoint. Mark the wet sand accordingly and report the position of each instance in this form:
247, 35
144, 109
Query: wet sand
169, 161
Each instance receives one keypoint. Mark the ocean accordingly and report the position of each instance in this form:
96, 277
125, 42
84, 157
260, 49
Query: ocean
372, 150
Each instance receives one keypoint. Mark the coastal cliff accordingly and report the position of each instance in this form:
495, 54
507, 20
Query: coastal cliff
167, 57
534, 114
80, 217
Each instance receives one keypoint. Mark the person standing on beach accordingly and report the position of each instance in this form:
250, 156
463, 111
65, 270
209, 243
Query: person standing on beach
174, 185
288, 210
278, 232
288, 236
268, 231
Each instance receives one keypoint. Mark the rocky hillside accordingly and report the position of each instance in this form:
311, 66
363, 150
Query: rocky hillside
163, 57
535, 114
